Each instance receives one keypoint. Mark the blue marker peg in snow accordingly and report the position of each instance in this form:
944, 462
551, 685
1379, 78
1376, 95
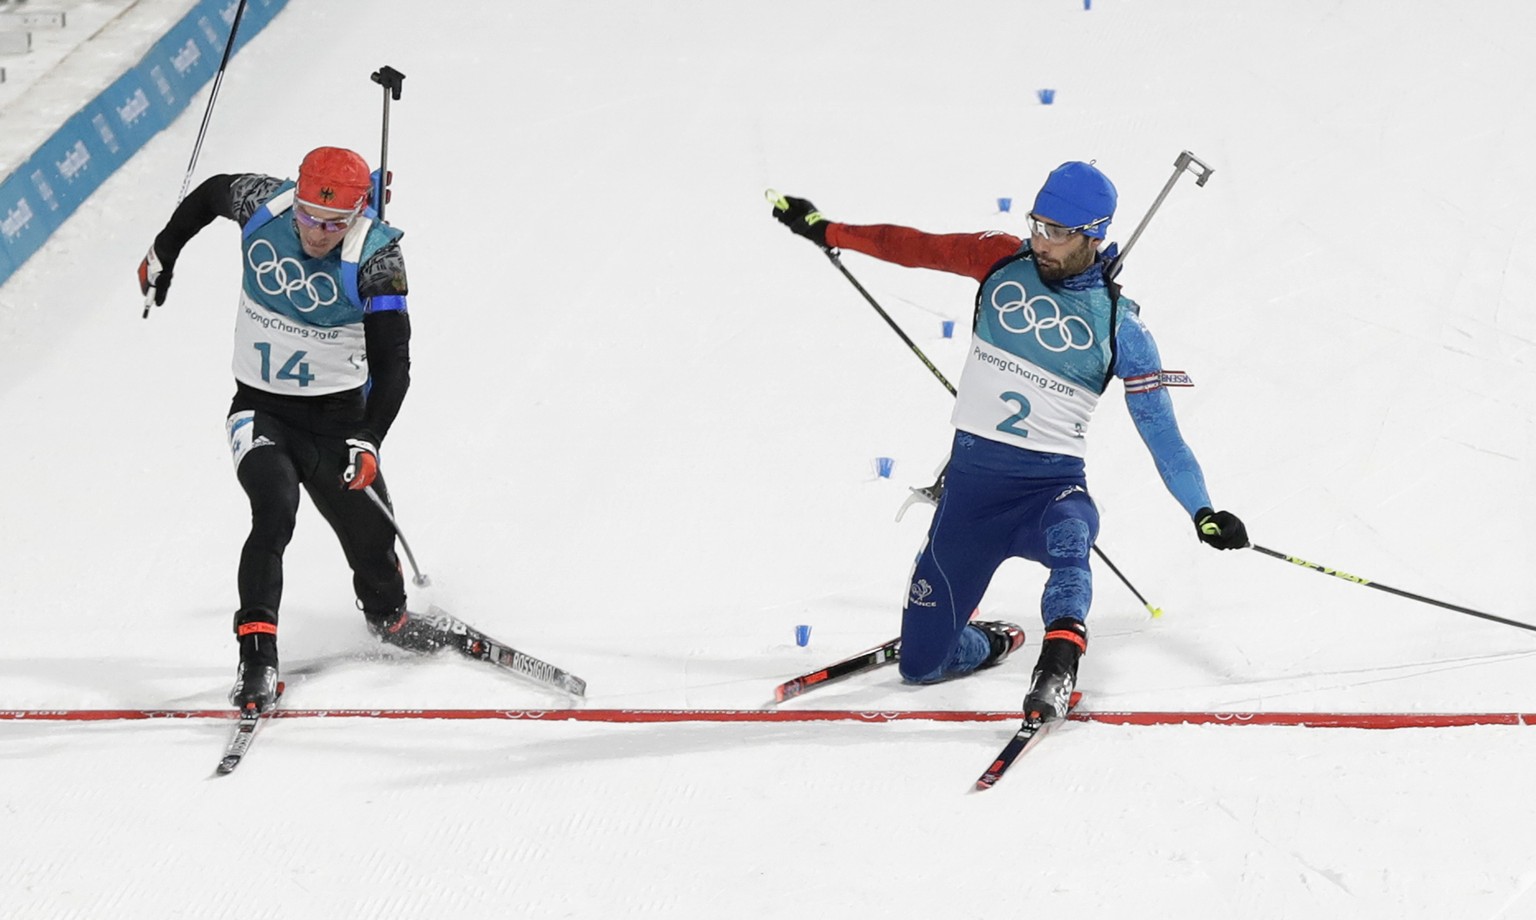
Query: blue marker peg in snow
1047, 96
949, 328
1005, 205
883, 466
1087, 4
802, 635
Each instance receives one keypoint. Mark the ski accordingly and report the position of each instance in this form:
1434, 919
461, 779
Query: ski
244, 735
867, 660
477, 645
1023, 739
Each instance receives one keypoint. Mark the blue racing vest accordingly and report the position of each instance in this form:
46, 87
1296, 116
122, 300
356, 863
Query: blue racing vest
1040, 358
300, 326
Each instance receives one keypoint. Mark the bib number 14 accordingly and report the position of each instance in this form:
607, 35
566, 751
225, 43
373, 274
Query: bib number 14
1010, 425
296, 368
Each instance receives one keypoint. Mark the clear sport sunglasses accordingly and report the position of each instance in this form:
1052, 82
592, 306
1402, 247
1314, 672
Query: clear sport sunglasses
1056, 233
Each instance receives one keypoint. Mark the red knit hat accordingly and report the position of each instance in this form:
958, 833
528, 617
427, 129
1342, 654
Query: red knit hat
334, 179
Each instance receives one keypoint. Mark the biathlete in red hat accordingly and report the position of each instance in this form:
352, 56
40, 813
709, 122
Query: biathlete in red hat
322, 365
1050, 332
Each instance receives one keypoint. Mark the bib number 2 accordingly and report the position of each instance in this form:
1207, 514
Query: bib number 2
1010, 425
296, 368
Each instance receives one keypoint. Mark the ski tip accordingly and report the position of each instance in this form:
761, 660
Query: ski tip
989, 779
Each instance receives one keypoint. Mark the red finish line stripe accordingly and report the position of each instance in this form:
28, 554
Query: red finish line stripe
1379, 720
1311, 719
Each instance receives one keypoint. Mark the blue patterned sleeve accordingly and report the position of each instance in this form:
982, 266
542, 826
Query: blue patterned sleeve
1138, 363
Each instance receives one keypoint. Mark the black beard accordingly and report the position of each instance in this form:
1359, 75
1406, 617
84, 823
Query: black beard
1071, 265
1055, 273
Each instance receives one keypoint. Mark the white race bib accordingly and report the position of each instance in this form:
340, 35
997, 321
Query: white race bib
1004, 398
279, 355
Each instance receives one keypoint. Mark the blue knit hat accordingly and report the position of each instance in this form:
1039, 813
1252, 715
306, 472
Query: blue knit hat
1076, 194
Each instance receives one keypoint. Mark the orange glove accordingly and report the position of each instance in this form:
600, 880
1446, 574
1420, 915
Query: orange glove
362, 464
154, 279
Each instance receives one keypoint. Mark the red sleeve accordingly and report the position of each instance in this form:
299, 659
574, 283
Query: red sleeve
969, 254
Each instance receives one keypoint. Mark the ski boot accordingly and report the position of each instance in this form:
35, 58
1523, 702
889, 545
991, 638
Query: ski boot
1050, 689
255, 687
1005, 639
416, 632
256, 681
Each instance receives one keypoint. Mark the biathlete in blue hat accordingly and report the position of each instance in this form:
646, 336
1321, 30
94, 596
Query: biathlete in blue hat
1050, 332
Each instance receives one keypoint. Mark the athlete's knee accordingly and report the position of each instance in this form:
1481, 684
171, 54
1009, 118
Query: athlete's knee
372, 558
918, 668
272, 487
273, 522
1070, 538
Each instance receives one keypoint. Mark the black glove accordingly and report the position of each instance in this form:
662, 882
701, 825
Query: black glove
1221, 529
802, 217
154, 276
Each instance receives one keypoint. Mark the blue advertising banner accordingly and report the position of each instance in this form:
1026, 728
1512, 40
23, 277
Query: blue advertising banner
44, 190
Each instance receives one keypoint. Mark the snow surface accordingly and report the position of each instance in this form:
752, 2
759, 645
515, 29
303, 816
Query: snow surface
640, 443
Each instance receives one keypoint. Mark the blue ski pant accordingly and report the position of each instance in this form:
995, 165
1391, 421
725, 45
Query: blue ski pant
991, 512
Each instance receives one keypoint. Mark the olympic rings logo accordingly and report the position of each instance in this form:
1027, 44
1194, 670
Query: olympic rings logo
286, 276
1064, 333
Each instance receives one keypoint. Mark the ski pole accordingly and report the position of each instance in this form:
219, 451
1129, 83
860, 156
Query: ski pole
1355, 579
1155, 611
778, 201
421, 581
833, 255
213, 95
392, 81
1184, 161
937, 489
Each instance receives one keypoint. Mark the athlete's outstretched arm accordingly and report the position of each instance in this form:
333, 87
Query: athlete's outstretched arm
969, 254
